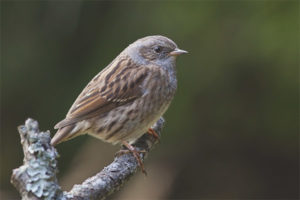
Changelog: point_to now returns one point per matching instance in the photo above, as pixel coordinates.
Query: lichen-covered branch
(36, 178)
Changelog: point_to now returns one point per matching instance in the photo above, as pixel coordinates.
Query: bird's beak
(177, 52)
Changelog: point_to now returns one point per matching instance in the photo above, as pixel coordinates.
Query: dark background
(232, 129)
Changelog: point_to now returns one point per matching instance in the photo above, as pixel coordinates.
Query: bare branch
(36, 178)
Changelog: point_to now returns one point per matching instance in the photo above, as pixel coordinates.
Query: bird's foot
(154, 134)
(135, 153)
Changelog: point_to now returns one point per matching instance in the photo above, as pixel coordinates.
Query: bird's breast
(160, 89)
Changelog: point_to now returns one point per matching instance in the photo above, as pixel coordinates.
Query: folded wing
(118, 90)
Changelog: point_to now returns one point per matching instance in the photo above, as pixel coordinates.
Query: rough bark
(36, 178)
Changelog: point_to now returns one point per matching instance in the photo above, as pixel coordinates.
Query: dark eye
(158, 49)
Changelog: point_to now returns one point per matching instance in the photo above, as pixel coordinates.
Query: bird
(127, 97)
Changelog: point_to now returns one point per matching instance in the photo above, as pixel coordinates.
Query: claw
(135, 153)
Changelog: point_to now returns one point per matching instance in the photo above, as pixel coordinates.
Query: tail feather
(63, 134)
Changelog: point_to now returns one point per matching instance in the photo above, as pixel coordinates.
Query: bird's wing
(118, 84)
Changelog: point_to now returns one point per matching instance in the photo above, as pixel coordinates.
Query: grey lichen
(36, 178)
(40, 163)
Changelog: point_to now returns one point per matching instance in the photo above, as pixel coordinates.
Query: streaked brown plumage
(128, 96)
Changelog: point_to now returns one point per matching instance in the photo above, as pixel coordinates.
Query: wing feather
(107, 91)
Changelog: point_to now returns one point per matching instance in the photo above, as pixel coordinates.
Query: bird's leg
(135, 153)
(153, 133)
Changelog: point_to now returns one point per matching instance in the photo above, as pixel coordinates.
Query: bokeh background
(232, 129)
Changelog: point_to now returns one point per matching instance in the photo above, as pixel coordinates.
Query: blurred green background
(232, 129)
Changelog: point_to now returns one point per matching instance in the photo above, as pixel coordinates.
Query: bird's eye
(158, 49)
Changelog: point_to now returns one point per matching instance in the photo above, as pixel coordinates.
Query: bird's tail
(63, 134)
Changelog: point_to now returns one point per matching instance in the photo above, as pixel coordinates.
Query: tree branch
(36, 178)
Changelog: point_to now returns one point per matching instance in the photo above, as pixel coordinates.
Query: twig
(36, 178)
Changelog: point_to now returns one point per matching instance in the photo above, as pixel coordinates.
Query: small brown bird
(127, 97)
